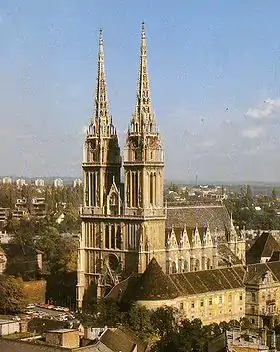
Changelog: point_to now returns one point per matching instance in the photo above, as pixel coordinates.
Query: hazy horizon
(214, 71)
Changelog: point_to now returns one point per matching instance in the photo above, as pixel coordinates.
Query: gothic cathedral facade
(124, 224)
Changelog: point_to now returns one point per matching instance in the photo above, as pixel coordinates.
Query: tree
(12, 295)
(139, 320)
(188, 336)
(249, 193)
(164, 320)
(274, 194)
(245, 323)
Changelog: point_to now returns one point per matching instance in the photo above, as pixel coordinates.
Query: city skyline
(214, 84)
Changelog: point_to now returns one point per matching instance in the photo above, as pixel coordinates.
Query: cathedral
(125, 221)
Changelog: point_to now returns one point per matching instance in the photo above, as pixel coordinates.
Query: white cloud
(269, 109)
(253, 133)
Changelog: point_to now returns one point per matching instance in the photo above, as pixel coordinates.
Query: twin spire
(101, 123)
(143, 118)
(143, 112)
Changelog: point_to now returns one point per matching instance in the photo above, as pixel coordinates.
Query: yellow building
(263, 293)
(214, 295)
(211, 295)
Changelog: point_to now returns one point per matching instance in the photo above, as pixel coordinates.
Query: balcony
(130, 213)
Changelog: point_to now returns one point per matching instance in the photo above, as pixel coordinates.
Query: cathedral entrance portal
(112, 271)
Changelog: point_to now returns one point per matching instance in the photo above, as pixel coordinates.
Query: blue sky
(214, 71)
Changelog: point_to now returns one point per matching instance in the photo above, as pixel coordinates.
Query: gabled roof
(226, 256)
(255, 272)
(154, 284)
(275, 256)
(196, 282)
(216, 217)
(122, 340)
(264, 246)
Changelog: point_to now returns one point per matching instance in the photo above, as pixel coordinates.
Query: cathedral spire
(101, 120)
(143, 112)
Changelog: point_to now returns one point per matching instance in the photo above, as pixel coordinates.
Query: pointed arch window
(107, 236)
(151, 189)
(119, 238)
(113, 237)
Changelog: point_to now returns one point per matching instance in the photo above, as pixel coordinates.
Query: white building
(20, 182)
(6, 180)
(58, 182)
(77, 182)
(39, 182)
(8, 327)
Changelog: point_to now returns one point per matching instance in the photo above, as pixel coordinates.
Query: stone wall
(35, 291)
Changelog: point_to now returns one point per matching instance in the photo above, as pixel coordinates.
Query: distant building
(39, 182)
(38, 207)
(21, 203)
(58, 182)
(6, 180)
(4, 213)
(77, 182)
(19, 214)
(20, 182)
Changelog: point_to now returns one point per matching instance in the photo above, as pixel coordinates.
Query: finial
(101, 41)
(100, 36)
(143, 35)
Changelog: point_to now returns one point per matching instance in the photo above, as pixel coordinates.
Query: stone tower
(101, 174)
(143, 171)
